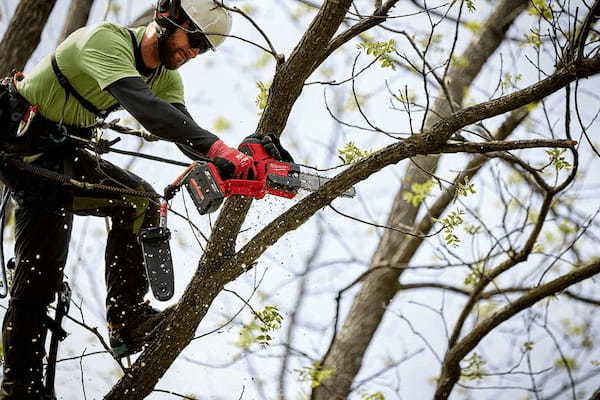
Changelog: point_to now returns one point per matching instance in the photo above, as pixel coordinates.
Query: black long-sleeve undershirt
(168, 121)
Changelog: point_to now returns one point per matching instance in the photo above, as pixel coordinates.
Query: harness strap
(70, 90)
(67, 180)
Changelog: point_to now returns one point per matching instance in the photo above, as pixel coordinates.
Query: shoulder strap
(136, 49)
(70, 90)
(139, 61)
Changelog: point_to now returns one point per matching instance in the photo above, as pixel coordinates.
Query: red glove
(231, 163)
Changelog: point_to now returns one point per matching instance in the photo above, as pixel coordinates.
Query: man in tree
(94, 71)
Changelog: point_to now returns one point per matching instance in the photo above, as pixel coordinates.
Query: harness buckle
(60, 135)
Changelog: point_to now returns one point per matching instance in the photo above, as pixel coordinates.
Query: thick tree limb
(23, 34)
(214, 273)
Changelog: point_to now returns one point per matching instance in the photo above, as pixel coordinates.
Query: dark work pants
(44, 217)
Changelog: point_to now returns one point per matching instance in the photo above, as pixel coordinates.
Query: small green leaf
(465, 188)
(510, 81)
(473, 26)
(567, 228)
(473, 277)
(374, 396)
(528, 346)
(470, 5)
(351, 153)
(221, 124)
(248, 9)
(460, 62)
(474, 369)
(541, 8)
(418, 193)
(262, 96)
(485, 309)
(472, 229)
(533, 39)
(382, 51)
(450, 222)
(557, 159)
(566, 362)
(265, 321)
(314, 374)
(406, 97)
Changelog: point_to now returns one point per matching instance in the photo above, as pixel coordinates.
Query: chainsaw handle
(253, 147)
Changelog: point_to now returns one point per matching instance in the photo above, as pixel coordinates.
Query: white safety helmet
(212, 19)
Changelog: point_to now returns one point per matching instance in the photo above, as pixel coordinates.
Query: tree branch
(462, 348)
(486, 147)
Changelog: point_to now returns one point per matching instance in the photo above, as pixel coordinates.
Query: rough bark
(79, 12)
(347, 350)
(23, 34)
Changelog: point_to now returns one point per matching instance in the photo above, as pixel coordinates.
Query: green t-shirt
(92, 58)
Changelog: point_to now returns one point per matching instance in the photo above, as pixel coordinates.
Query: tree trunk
(23, 34)
(346, 353)
(79, 12)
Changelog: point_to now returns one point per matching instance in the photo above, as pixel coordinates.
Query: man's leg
(41, 247)
(125, 274)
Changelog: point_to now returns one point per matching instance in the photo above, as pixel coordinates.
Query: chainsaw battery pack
(203, 184)
(158, 262)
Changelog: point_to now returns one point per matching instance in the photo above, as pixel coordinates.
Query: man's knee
(145, 211)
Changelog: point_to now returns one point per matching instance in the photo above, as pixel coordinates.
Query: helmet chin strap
(161, 45)
(164, 24)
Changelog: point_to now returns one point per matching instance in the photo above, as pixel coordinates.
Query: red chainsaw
(208, 190)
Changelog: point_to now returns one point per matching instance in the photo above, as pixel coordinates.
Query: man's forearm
(168, 121)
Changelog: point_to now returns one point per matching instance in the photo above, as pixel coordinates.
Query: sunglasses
(198, 40)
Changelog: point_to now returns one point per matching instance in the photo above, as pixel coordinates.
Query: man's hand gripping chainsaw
(208, 190)
(271, 176)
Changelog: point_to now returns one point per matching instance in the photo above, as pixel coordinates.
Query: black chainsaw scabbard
(158, 262)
